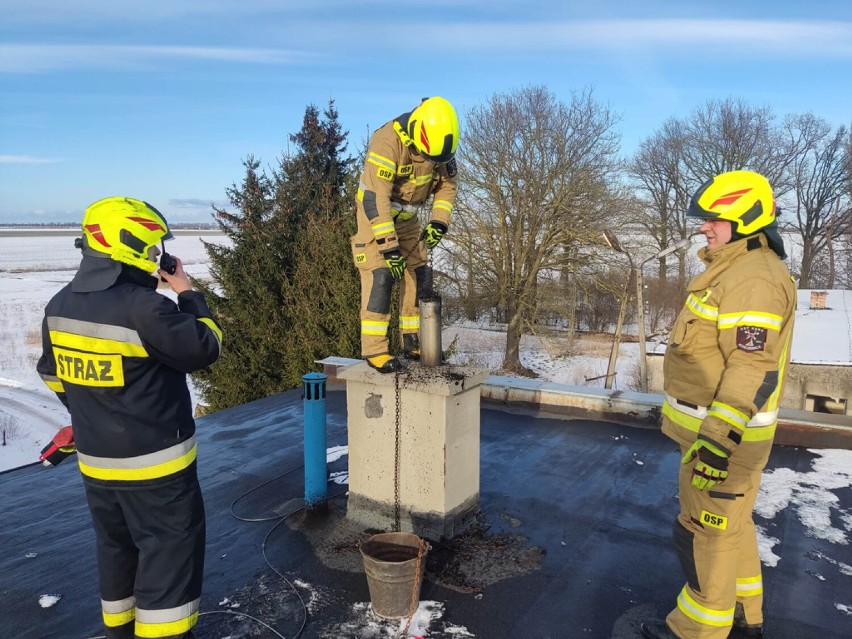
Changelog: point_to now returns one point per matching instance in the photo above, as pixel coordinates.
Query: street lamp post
(612, 241)
(640, 286)
(638, 273)
(640, 317)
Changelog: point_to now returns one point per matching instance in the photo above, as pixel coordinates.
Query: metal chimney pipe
(430, 330)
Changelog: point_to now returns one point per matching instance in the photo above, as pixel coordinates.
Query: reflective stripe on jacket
(729, 348)
(118, 359)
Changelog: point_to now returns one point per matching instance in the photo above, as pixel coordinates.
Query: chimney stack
(818, 299)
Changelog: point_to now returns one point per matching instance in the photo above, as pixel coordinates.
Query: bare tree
(844, 261)
(663, 189)
(674, 161)
(728, 135)
(822, 208)
(844, 254)
(532, 194)
(670, 165)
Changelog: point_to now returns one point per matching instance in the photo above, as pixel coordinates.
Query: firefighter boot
(656, 629)
(411, 346)
(746, 631)
(385, 363)
(743, 630)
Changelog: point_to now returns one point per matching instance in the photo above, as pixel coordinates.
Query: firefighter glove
(433, 233)
(59, 448)
(396, 263)
(710, 468)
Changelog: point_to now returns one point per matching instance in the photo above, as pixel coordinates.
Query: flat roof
(574, 539)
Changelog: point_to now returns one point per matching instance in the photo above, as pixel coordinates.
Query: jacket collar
(719, 259)
(400, 125)
(101, 273)
(96, 273)
(732, 250)
(133, 275)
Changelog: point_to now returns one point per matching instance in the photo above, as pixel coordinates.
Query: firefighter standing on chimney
(410, 160)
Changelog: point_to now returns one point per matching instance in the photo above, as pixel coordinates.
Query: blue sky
(162, 100)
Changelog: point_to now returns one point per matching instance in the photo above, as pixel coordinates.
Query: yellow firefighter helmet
(744, 198)
(434, 129)
(125, 229)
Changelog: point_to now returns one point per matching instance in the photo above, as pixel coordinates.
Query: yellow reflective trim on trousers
(412, 321)
(380, 160)
(703, 615)
(154, 630)
(706, 311)
(728, 414)
(749, 586)
(124, 469)
(115, 619)
(167, 622)
(96, 344)
(212, 326)
(750, 434)
(369, 327)
(383, 228)
(118, 613)
(750, 318)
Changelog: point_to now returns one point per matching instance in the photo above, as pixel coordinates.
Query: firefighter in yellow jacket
(116, 353)
(723, 373)
(411, 160)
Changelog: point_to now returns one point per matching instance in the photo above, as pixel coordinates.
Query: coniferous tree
(285, 290)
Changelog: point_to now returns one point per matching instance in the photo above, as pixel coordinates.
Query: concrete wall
(546, 399)
(801, 380)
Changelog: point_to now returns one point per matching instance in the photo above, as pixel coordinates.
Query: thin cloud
(692, 37)
(196, 203)
(190, 203)
(97, 11)
(191, 209)
(34, 58)
(25, 159)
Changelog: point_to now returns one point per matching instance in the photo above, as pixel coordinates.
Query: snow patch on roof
(823, 336)
(811, 495)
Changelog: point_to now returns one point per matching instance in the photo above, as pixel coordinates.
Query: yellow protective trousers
(377, 285)
(716, 543)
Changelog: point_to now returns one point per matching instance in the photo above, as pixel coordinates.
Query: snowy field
(32, 270)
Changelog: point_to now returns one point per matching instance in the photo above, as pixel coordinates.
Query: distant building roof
(823, 335)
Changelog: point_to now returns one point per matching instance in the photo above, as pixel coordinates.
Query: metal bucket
(391, 564)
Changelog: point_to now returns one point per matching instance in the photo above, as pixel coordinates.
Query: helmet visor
(447, 151)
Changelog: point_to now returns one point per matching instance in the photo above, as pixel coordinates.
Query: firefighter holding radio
(116, 353)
